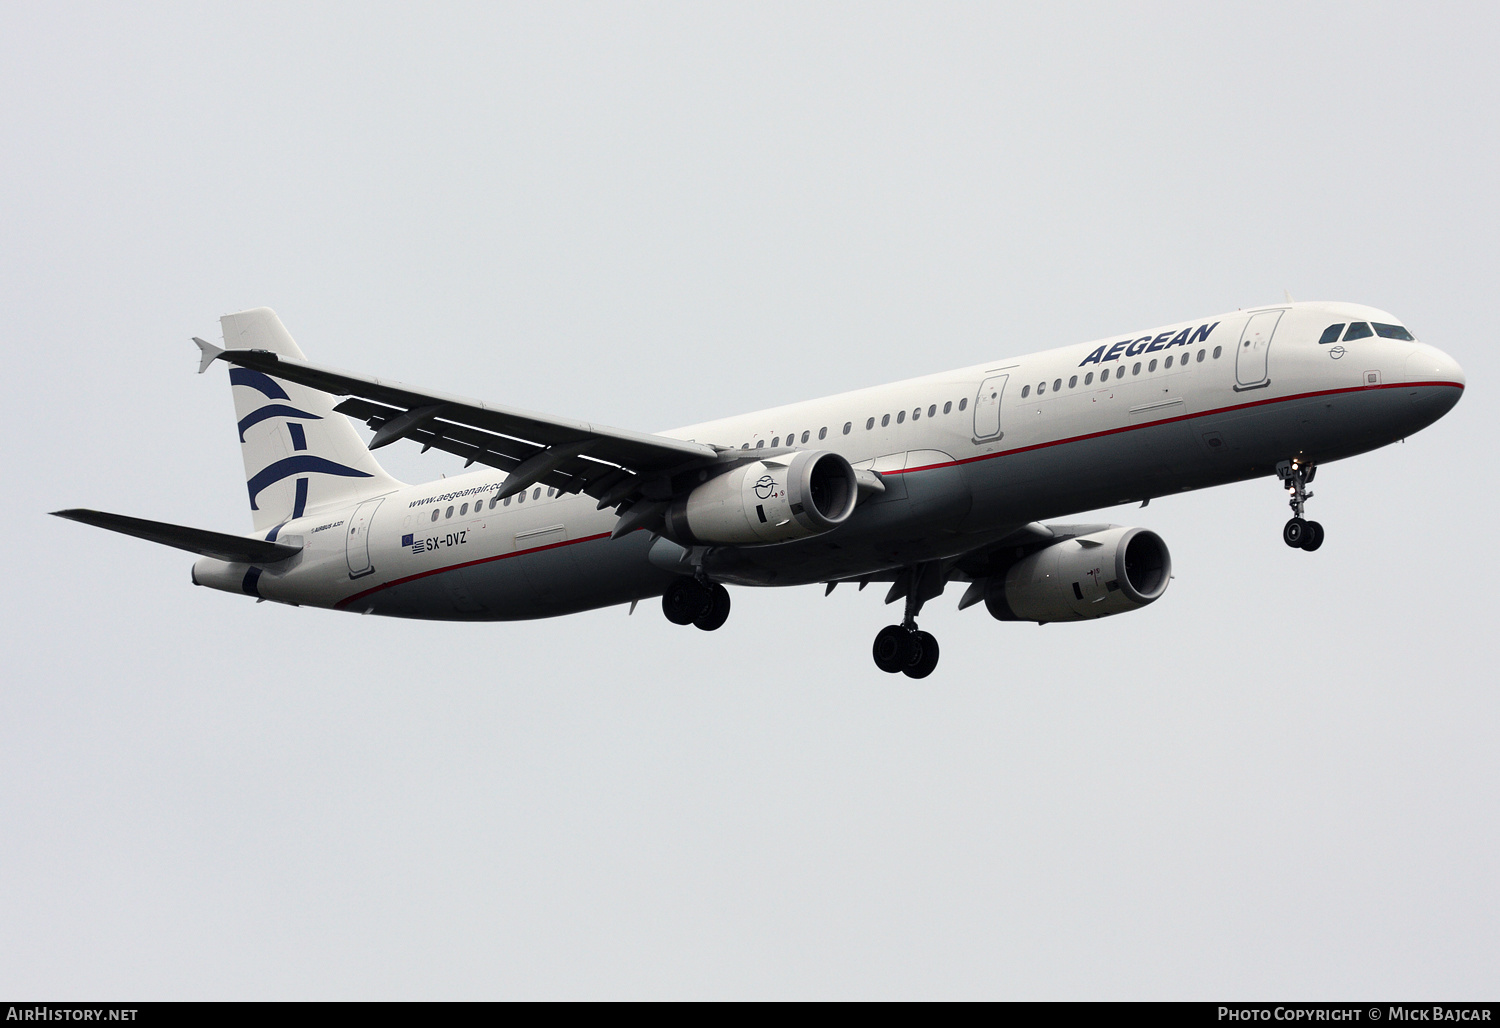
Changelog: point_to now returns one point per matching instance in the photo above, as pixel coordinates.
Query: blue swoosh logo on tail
(274, 410)
(289, 466)
(258, 380)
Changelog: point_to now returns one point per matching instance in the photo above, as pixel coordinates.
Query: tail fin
(299, 454)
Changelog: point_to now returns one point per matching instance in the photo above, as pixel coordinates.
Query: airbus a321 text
(914, 485)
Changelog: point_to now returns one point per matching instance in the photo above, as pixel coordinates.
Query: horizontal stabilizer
(209, 353)
(219, 545)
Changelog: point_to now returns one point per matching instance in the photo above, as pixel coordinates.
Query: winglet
(210, 354)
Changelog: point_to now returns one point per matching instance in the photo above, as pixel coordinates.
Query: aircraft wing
(573, 456)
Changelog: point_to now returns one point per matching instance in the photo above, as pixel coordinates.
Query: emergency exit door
(1251, 358)
(357, 539)
(987, 407)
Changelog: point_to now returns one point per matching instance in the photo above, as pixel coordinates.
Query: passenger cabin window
(1218, 350)
(932, 411)
(869, 424)
(900, 416)
(759, 443)
(916, 414)
(463, 510)
(963, 403)
(885, 420)
(948, 407)
(1104, 375)
(1152, 366)
(1393, 332)
(536, 494)
(823, 432)
(1056, 385)
(1137, 369)
(434, 514)
(847, 426)
(449, 513)
(1088, 379)
(776, 441)
(806, 434)
(1331, 334)
(1200, 356)
(1025, 392)
(1073, 382)
(1358, 330)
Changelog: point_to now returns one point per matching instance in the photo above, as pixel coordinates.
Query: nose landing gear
(1299, 533)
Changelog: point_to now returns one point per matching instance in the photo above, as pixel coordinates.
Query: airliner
(950, 478)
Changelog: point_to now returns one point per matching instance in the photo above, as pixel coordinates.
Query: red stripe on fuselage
(947, 464)
(1168, 421)
(467, 564)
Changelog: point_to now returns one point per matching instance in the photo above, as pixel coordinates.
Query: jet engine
(1088, 576)
(772, 500)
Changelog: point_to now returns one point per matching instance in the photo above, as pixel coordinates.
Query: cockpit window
(1393, 332)
(1358, 330)
(1331, 333)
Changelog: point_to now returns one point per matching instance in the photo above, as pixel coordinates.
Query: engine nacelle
(1090, 576)
(774, 500)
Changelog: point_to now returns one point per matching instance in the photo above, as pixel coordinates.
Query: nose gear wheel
(1304, 535)
(1299, 533)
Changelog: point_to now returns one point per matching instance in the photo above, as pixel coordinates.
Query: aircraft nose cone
(1435, 383)
(1429, 364)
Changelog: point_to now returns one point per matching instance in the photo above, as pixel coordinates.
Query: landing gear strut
(694, 601)
(904, 647)
(1299, 533)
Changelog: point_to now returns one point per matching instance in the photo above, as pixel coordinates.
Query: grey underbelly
(943, 512)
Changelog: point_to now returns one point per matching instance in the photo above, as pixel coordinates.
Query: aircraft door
(357, 539)
(987, 407)
(1250, 366)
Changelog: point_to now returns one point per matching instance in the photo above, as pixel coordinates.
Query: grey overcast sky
(1282, 780)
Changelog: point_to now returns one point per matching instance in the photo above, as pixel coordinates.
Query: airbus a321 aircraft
(918, 484)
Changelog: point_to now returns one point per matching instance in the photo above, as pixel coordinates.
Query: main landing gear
(904, 647)
(694, 601)
(1299, 533)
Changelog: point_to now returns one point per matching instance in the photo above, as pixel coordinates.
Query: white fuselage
(966, 456)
